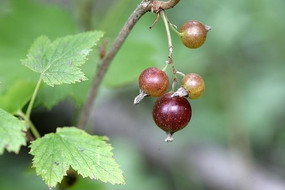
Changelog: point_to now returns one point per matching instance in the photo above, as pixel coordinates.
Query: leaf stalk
(29, 111)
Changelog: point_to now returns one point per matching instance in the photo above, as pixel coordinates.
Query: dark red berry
(193, 34)
(154, 82)
(171, 114)
(194, 85)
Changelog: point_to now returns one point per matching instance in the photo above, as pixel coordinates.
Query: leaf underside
(69, 147)
(12, 132)
(59, 61)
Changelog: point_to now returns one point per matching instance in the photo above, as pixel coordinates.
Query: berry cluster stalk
(170, 47)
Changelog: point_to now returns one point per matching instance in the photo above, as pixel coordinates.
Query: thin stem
(169, 40)
(170, 47)
(172, 26)
(34, 130)
(30, 107)
(29, 110)
(165, 67)
(154, 23)
(30, 124)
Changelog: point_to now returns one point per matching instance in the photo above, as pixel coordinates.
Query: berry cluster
(172, 111)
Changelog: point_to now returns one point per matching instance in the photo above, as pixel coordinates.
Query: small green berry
(194, 85)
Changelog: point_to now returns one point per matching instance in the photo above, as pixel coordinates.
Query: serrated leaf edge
(103, 138)
(76, 69)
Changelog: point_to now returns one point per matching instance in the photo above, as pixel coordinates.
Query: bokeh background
(236, 138)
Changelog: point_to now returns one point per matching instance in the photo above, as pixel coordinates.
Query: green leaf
(17, 96)
(51, 20)
(12, 132)
(36, 58)
(89, 155)
(58, 62)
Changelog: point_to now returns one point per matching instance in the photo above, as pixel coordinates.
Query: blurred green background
(236, 138)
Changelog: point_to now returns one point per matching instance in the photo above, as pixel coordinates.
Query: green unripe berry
(194, 85)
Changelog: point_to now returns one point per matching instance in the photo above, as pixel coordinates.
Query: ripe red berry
(193, 33)
(154, 82)
(171, 114)
(194, 85)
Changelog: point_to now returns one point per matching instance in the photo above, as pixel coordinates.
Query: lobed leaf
(69, 147)
(59, 62)
(12, 132)
(20, 19)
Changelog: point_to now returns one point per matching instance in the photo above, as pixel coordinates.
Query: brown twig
(103, 48)
(29, 136)
(162, 5)
(142, 8)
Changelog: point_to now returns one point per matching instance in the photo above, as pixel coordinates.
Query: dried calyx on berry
(192, 85)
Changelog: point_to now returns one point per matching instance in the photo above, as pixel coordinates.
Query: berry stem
(165, 67)
(174, 28)
(170, 47)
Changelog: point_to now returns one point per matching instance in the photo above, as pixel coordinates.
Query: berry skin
(193, 34)
(154, 82)
(171, 114)
(194, 85)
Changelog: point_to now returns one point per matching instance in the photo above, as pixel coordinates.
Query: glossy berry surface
(171, 114)
(193, 34)
(154, 82)
(194, 85)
